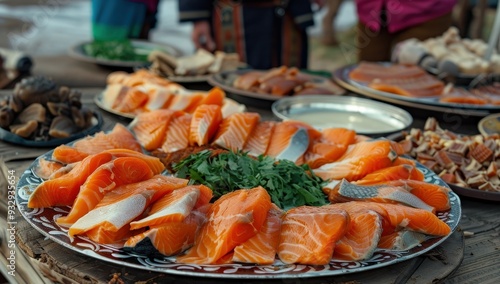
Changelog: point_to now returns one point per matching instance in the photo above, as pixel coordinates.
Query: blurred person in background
(123, 19)
(384, 23)
(264, 33)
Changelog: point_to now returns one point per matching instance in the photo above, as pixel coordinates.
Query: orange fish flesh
(235, 130)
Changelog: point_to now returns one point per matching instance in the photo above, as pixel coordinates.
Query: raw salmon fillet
(204, 124)
(401, 240)
(64, 190)
(110, 225)
(169, 238)
(362, 236)
(118, 137)
(67, 154)
(259, 138)
(330, 146)
(309, 234)
(123, 170)
(432, 194)
(359, 160)
(402, 216)
(282, 140)
(185, 102)
(383, 193)
(177, 135)
(235, 130)
(150, 128)
(396, 172)
(175, 206)
(44, 168)
(232, 220)
(261, 249)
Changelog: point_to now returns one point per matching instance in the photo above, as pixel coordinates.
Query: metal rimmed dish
(365, 116)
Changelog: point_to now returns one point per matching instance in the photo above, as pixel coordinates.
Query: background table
(460, 259)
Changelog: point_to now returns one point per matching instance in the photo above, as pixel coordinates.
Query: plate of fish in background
(262, 87)
(40, 113)
(412, 86)
(123, 53)
(129, 94)
(470, 159)
(44, 221)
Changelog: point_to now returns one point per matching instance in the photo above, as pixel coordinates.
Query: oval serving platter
(341, 77)
(43, 220)
(10, 137)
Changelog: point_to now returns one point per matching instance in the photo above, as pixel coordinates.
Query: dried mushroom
(40, 110)
(466, 161)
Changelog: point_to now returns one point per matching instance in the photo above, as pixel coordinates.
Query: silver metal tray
(365, 116)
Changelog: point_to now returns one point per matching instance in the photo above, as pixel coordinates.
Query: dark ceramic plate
(10, 137)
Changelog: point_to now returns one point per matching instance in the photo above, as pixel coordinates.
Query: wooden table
(470, 258)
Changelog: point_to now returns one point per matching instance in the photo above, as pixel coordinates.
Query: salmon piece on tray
(150, 128)
(232, 220)
(259, 138)
(235, 130)
(204, 124)
(309, 234)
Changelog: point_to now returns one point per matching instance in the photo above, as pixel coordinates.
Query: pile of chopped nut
(466, 161)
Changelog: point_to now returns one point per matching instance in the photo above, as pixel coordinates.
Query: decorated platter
(341, 77)
(225, 81)
(140, 48)
(43, 220)
(10, 137)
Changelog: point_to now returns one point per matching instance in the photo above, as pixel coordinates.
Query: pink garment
(401, 14)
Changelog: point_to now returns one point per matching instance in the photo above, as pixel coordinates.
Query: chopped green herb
(122, 50)
(288, 184)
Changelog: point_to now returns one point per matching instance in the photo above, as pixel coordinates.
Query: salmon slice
(185, 102)
(215, 96)
(177, 136)
(130, 101)
(232, 220)
(463, 96)
(367, 71)
(235, 130)
(174, 207)
(330, 146)
(63, 190)
(153, 163)
(63, 170)
(259, 138)
(123, 170)
(397, 172)
(204, 124)
(401, 240)
(359, 160)
(44, 168)
(402, 216)
(261, 249)
(290, 140)
(432, 194)
(361, 238)
(415, 174)
(150, 128)
(309, 234)
(102, 236)
(169, 238)
(67, 154)
(110, 226)
(159, 97)
(382, 193)
(112, 217)
(119, 137)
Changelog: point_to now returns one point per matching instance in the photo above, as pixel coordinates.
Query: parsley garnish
(288, 184)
